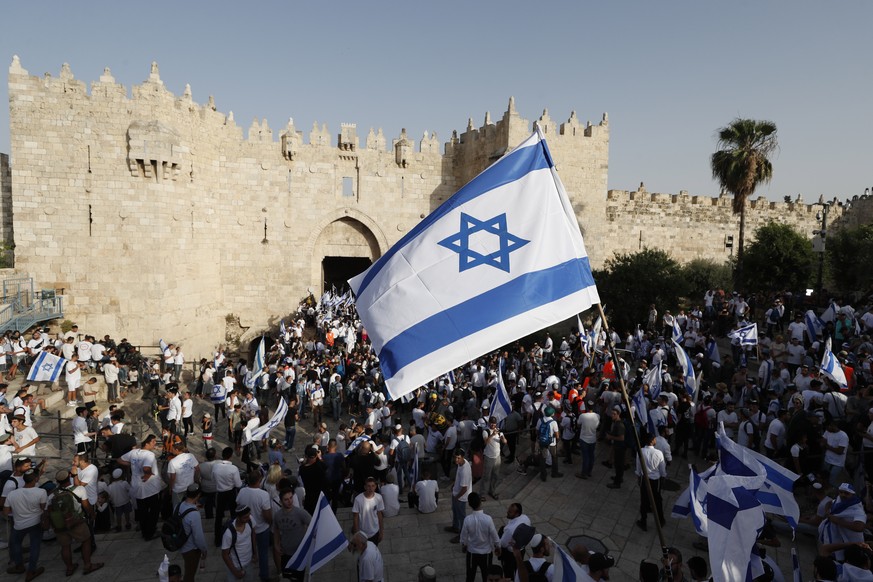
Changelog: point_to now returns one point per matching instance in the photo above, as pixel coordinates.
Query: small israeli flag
(814, 325)
(323, 541)
(688, 377)
(831, 367)
(500, 407)
(746, 334)
(502, 258)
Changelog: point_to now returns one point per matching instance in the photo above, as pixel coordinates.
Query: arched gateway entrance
(345, 247)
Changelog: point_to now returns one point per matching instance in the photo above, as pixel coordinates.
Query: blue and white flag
(653, 379)
(356, 443)
(163, 345)
(682, 507)
(712, 352)
(641, 406)
(263, 431)
(831, 367)
(814, 326)
(46, 368)
(500, 259)
(282, 330)
(697, 499)
(830, 314)
(500, 407)
(734, 520)
(416, 477)
(677, 332)
(258, 369)
(566, 569)
(795, 566)
(747, 335)
(688, 377)
(324, 539)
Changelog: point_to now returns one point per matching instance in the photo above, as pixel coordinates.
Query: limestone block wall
(6, 230)
(691, 227)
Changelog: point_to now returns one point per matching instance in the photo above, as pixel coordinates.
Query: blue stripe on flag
(515, 297)
(326, 551)
(514, 166)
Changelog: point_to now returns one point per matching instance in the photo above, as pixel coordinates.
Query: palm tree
(741, 163)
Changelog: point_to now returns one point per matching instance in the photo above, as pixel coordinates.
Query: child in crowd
(206, 427)
(119, 495)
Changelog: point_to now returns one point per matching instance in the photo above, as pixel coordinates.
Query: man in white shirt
(368, 511)
(145, 485)
(428, 493)
(514, 517)
(182, 470)
(24, 437)
(491, 473)
(174, 414)
(258, 500)
(587, 424)
(73, 377)
(654, 469)
(461, 489)
(85, 474)
(26, 505)
(836, 445)
(370, 566)
(479, 539)
(227, 480)
(178, 363)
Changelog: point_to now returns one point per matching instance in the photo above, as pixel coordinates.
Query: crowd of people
(567, 409)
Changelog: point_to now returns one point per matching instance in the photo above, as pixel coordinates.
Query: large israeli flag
(263, 431)
(323, 540)
(831, 367)
(500, 259)
(654, 377)
(46, 368)
(257, 367)
(814, 325)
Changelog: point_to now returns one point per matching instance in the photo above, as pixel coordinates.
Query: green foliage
(66, 325)
(704, 274)
(779, 258)
(630, 283)
(849, 258)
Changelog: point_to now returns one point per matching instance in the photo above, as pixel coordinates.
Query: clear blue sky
(668, 73)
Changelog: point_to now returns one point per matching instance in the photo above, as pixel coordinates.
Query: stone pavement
(560, 508)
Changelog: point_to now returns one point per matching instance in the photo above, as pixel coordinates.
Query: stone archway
(343, 247)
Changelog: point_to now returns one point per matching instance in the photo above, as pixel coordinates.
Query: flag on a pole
(282, 330)
(746, 334)
(830, 314)
(324, 539)
(642, 409)
(500, 259)
(814, 326)
(677, 332)
(46, 368)
(734, 520)
(566, 569)
(257, 366)
(500, 407)
(653, 379)
(832, 368)
(263, 431)
(712, 352)
(688, 377)
(163, 345)
(795, 566)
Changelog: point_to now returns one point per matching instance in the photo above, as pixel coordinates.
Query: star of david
(468, 258)
(47, 367)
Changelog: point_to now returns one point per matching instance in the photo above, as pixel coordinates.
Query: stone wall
(160, 217)
(7, 238)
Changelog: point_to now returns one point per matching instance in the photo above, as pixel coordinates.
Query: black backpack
(536, 575)
(173, 534)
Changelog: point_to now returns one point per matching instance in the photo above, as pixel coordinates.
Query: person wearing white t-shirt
(145, 484)
(182, 471)
(258, 500)
(390, 493)
(73, 376)
(370, 565)
(368, 511)
(836, 444)
(25, 437)
(187, 413)
(237, 549)
(85, 474)
(26, 505)
(428, 493)
(178, 363)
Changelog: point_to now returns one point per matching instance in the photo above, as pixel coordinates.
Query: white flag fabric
(46, 368)
(500, 406)
(677, 332)
(712, 352)
(257, 367)
(163, 345)
(830, 314)
(263, 431)
(746, 334)
(734, 522)
(688, 377)
(323, 540)
(502, 258)
(566, 569)
(814, 325)
(653, 377)
(832, 368)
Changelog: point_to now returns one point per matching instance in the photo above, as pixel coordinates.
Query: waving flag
(500, 407)
(46, 368)
(642, 408)
(500, 259)
(324, 539)
(814, 325)
(831, 367)
(356, 443)
(746, 334)
(712, 352)
(830, 314)
(261, 432)
(257, 367)
(653, 377)
(677, 332)
(282, 330)
(163, 345)
(688, 377)
(566, 569)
